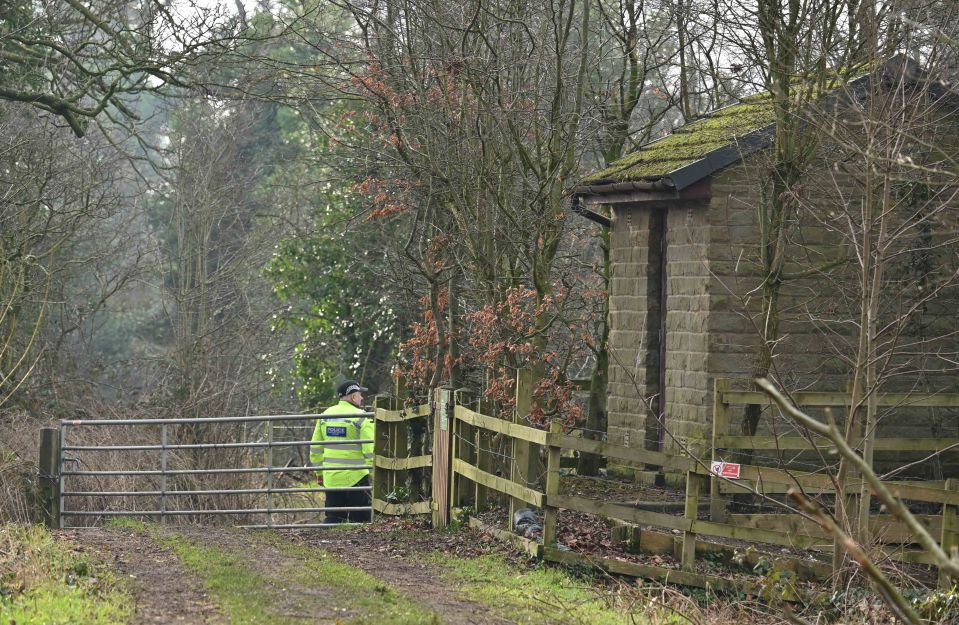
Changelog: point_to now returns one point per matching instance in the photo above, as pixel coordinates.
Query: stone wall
(628, 305)
(713, 321)
(802, 357)
(634, 335)
(687, 325)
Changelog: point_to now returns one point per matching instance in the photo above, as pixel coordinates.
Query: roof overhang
(674, 185)
(620, 193)
(692, 182)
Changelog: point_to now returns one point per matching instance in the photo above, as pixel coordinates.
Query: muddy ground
(397, 553)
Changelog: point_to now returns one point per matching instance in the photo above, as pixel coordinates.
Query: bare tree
(82, 60)
(477, 109)
(56, 194)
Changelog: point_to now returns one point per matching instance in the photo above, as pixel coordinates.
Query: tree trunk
(596, 416)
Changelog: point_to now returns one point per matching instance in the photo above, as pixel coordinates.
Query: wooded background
(220, 209)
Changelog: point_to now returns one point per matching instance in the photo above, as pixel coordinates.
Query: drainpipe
(578, 208)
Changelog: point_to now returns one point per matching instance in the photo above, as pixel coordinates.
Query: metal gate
(162, 471)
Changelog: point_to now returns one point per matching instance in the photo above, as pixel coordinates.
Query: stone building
(685, 214)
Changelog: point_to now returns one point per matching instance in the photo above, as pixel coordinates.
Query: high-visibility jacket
(346, 454)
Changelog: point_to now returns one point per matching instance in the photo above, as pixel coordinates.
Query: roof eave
(605, 187)
(677, 180)
(723, 157)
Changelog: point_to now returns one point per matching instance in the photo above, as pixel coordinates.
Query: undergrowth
(46, 581)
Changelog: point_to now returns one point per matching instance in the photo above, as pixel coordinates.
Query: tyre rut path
(165, 590)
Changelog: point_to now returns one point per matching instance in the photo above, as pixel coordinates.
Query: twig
(890, 594)
(792, 617)
(918, 462)
(892, 503)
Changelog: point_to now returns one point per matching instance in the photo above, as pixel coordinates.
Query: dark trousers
(349, 499)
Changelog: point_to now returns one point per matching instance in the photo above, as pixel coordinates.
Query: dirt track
(166, 591)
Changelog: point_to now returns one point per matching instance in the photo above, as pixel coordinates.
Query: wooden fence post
(950, 533)
(550, 512)
(484, 459)
(523, 466)
(717, 504)
(693, 488)
(442, 461)
(381, 445)
(49, 476)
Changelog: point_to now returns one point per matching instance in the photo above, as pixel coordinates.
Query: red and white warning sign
(728, 470)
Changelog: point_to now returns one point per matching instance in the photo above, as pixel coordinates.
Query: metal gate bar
(209, 512)
(201, 446)
(223, 471)
(164, 447)
(173, 493)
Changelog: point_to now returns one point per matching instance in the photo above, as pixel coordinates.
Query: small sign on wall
(729, 470)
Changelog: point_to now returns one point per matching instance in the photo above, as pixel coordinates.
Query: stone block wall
(687, 326)
(634, 314)
(628, 305)
(713, 305)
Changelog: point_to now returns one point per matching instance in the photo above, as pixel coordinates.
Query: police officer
(349, 454)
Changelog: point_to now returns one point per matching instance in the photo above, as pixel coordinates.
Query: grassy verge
(540, 595)
(45, 581)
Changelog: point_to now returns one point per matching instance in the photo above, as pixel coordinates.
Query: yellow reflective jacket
(346, 454)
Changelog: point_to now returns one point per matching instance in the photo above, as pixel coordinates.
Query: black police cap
(350, 386)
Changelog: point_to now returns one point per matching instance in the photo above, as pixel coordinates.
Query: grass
(542, 594)
(45, 581)
(375, 601)
(244, 593)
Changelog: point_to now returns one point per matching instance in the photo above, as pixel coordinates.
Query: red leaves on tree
(418, 364)
(387, 197)
(505, 333)
(499, 338)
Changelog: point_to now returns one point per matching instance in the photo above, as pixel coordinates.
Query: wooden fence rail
(779, 480)
(394, 493)
(470, 427)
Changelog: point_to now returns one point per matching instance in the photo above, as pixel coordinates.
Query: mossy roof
(690, 143)
(725, 128)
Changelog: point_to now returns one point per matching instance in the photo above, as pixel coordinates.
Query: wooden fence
(884, 529)
(394, 491)
(477, 438)
(479, 456)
